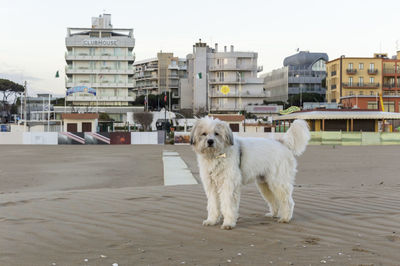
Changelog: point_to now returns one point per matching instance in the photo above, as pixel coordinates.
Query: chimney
(225, 48)
(216, 47)
(231, 48)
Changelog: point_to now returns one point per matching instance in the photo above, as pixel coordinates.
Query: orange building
(357, 82)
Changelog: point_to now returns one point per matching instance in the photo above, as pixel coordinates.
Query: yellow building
(350, 76)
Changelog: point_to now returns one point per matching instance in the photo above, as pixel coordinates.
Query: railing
(351, 71)
(389, 85)
(233, 67)
(360, 85)
(103, 84)
(239, 95)
(102, 56)
(372, 71)
(391, 71)
(111, 70)
(99, 98)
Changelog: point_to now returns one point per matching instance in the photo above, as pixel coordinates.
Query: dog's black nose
(210, 142)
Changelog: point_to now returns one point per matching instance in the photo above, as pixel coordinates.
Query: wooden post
(323, 124)
(351, 125)
(347, 125)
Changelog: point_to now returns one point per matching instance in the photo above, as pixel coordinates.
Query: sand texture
(99, 205)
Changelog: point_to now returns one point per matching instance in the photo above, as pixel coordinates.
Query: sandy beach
(99, 205)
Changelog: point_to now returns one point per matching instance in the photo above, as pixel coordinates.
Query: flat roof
(330, 115)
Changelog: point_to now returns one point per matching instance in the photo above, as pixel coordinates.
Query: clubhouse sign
(99, 42)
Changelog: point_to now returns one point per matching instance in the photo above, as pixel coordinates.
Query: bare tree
(144, 118)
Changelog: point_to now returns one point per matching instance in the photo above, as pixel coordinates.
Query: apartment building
(160, 75)
(357, 82)
(99, 69)
(307, 70)
(221, 81)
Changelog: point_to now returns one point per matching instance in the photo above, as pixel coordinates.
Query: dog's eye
(204, 134)
(216, 134)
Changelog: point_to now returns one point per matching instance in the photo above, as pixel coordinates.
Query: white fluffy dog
(226, 163)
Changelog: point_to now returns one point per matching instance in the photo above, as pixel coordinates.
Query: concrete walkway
(176, 171)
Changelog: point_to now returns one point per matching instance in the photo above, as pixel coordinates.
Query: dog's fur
(227, 162)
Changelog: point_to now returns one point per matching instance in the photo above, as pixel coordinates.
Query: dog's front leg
(212, 203)
(230, 197)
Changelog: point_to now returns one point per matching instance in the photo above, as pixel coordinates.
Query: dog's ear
(193, 132)
(228, 135)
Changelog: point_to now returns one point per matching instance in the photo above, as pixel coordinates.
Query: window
(320, 65)
(389, 106)
(361, 81)
(350, 81)
(372, 105)
(371, 66)
(371, 80)
(221, 76)
(350, 66)
(218, 61)
(361, 66)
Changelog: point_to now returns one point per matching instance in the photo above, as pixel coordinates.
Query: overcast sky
(32, 42)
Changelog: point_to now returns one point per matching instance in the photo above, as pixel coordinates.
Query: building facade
(99, 60)
(358, 82)
(221, 81)
(306, 72)
(160, 75)
(276, 84)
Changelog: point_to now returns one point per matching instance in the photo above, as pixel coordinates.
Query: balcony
(237, 81)
(102, 70)
(233, 67)
(246, 94)
(104, 84)
(351, 71)
(389, 86)
(105, 57)
(390, 71)
(372, 71)
(361, 85)
(78, 98)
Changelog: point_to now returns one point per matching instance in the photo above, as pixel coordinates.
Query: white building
(209, 70)
(99, 59)
(160, 75)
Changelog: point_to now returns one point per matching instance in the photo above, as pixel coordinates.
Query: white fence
(40, 138)
(144, 137)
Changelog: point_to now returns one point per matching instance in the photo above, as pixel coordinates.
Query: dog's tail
(297, 137)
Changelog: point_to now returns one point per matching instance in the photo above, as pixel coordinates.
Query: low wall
(11, 138)
(144, 138)
(40, 138)
(354, 138)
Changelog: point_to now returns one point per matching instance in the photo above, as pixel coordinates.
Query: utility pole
(48, 116)
(25, 86)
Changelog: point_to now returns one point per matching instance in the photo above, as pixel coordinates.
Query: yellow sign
(290, 110)
(225, 89)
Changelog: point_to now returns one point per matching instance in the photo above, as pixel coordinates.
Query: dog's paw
(209, 222)
(272, 215)
(227, 226)
(284, 220)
